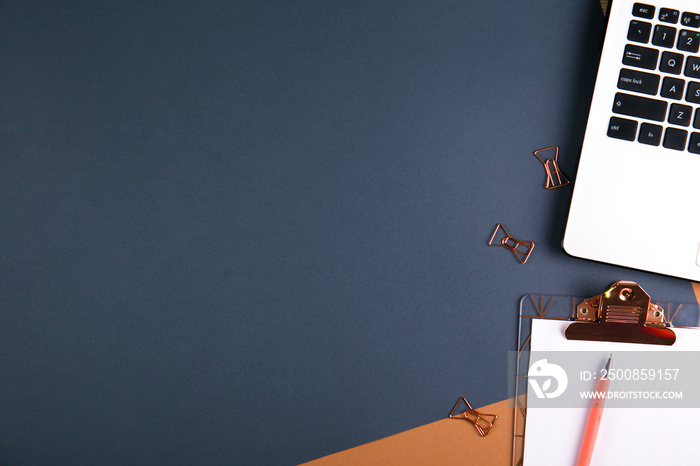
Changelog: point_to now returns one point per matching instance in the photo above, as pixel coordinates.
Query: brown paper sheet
(696, 289)
(445, 442)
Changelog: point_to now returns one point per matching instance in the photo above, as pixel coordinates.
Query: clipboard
(568, 309)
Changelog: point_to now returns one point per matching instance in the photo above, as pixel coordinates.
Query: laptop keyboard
(658, 98)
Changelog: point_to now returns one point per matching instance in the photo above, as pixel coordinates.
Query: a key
(672, 88)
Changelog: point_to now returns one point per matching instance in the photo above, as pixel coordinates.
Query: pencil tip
(607, 366)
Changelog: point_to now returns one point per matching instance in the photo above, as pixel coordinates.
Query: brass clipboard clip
(482, 422)
(521, 249)
(624, 313)
(555, 178)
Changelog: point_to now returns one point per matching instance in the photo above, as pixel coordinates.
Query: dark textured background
(255, 232)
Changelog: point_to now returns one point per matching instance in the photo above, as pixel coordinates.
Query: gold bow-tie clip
(555, 178)
(521, 249)
(482, 422)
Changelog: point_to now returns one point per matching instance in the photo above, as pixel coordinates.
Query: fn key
(620, 128)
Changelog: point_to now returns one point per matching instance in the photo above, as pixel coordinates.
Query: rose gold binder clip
(482, 422)
(624, 313)
(521, 249)
(555, 178)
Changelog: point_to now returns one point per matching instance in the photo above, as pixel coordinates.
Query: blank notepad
(633, 436)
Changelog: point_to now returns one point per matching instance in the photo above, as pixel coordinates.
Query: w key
(639, 107)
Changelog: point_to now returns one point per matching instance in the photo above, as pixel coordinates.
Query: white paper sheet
(627, 436)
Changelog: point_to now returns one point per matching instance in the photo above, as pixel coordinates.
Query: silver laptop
(636, 199)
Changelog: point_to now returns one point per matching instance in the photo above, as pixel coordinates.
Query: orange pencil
(594, 417)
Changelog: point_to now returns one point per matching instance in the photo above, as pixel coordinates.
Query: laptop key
(667, 15)
(671, 62)
(680, 114)
(650, 134)
(692, 67)
(694, 145)
(690, 19)
(639, 31)
(620, 128)
(643, 10)
(638, 81)
(693, 94)
(641, 57)
(675, 138)
(640, 107)
(672, 88)
(688, 41)
(664, 36)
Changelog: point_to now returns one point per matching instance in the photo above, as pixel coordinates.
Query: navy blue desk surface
(255, 232)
